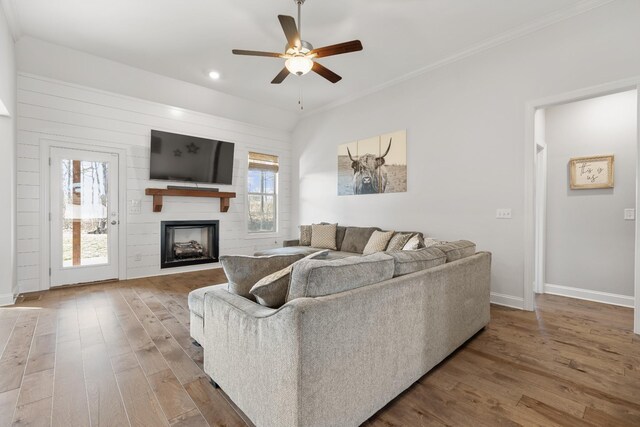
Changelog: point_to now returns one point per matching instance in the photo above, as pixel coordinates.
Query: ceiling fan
(300, 55)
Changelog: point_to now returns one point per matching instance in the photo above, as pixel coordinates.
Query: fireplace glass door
(188, 243)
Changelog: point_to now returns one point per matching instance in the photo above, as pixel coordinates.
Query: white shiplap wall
(58, 111)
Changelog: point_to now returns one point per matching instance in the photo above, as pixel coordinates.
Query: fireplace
(188, 243)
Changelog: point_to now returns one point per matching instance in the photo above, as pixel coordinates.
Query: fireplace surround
(188, 243)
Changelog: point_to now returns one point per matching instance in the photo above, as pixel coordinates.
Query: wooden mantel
(158, 193)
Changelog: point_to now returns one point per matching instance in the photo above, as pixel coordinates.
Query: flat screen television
(190, 159)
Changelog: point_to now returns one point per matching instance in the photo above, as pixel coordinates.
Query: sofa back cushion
(356, 238)
(244, 271)
(457, 250)
(340, 231)
(315, 278)
(407, 262)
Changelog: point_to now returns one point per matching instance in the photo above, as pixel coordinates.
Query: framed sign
(591, 172)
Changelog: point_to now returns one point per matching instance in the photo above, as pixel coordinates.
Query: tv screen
(187, 158)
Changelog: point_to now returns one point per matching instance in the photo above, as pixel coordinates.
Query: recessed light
(176, 112)
(214, 75)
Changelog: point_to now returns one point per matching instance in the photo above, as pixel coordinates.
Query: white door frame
(530, 181)
(45, 189)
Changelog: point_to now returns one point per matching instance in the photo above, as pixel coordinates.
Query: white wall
(61, 63)
(7, 165)
(465, 129)
(59, 111)
(589, 244)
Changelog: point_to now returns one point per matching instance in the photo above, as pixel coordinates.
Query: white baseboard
(586, 294)
(7, 299)
(507, 300)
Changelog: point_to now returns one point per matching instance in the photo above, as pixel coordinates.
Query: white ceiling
(185, 39)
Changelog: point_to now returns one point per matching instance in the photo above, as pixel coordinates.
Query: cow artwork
(369, 173)
(374, 165)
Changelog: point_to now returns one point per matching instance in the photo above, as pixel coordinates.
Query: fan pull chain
(301, 98)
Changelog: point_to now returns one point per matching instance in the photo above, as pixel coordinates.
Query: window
(262, 189)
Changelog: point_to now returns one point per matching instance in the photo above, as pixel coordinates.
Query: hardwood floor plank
(34, 414)
(8, 401)
(105, 402)
(191, 419)
(142, 407)
(70, 407)
(213, 406)
(16, 352)
(36, 386)
(173, 398)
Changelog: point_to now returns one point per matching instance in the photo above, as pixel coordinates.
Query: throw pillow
(415, 242)
(323, 236)
(428, 242)
(457, 250)
(305, 235)
(244, 271)
(377, 242)
(271, 291)
(407, 262)
(316, 278)
(398, 241)
(356, 238)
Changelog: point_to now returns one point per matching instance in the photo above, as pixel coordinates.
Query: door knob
(114, 222)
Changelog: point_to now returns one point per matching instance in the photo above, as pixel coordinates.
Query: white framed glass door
(83, 216)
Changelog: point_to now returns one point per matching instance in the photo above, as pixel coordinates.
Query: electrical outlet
(629, 214)
(503, 213)
(138, 257)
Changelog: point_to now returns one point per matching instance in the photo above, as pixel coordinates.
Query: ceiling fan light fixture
(299, 65)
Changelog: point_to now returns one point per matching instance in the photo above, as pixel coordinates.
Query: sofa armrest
(287, 243)
(252, 352)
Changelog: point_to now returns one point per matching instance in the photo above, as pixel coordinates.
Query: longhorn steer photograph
(374, 165)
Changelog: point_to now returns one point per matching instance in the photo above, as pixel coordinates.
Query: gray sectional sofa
(354, 332)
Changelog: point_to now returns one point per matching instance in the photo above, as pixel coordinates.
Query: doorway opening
(583, 242)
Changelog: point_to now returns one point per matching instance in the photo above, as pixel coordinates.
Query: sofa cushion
(287, 250)
(415, 242)
(324, 236)
(195, 300)
(305, 235)
(340, 230)
(398, 241)
(315, 278)
(244, 271)
(407, 262)
(271, 291)
(356, 238)
(378, 242)
(457, 250)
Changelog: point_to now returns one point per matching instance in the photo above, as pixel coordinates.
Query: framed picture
(591, 172)
(374, 165)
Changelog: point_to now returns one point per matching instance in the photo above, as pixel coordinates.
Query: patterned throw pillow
(398, 241)
(323, 236)
(415, 242)
(305, 235)
(377, 242)
(271, 291)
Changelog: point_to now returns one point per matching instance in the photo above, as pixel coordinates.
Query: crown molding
(506, 37)
(11, 14)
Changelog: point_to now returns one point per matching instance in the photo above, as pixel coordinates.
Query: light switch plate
(503, 213)
(629, 214)
(135, 206)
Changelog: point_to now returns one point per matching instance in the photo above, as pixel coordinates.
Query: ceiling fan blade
(290, 30)
(337, 49)
(256, 53)
(281, 76)
(326, 73)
